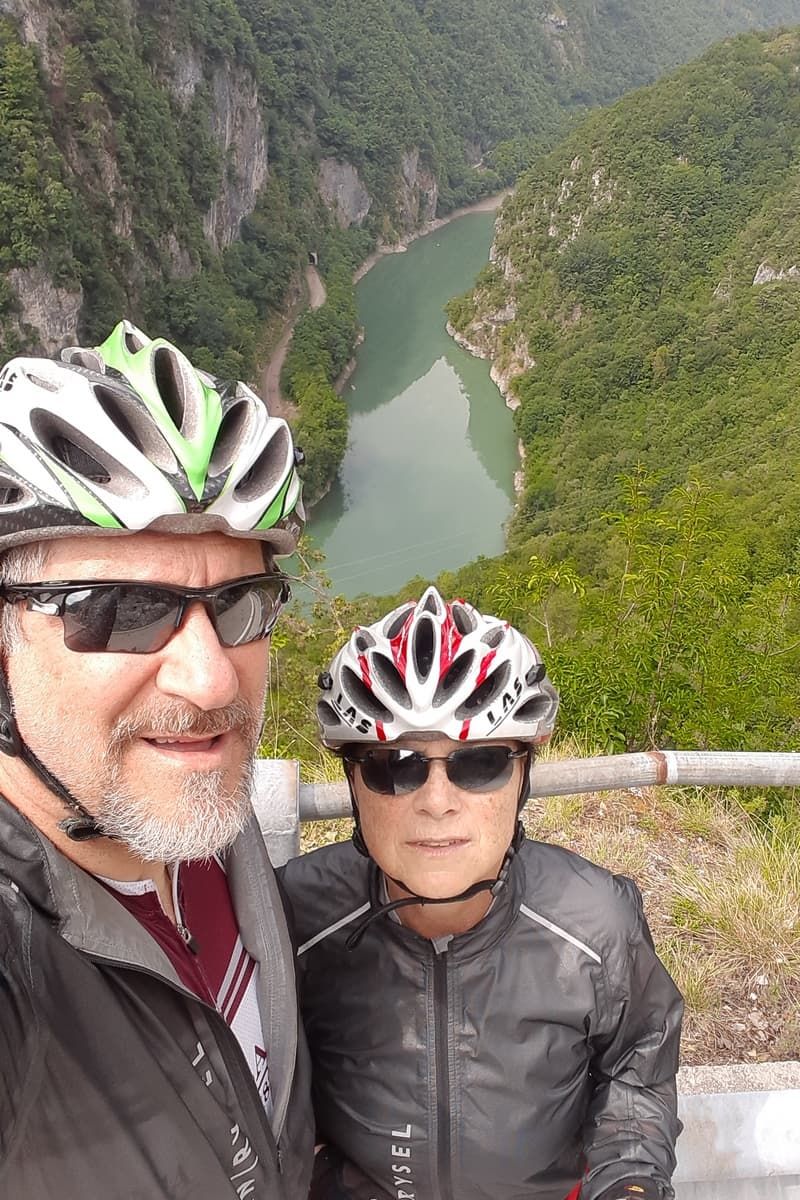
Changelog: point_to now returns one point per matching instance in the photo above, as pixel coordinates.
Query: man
(149, 1039)
(486, 1014)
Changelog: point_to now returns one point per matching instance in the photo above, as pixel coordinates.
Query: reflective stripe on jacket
(502, 1064)
(115, 1081)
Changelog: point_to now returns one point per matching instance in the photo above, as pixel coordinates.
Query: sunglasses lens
(393, 772)
(130, 618)
(246, 612)
(473, 769)
(125, 618)
(480, 768)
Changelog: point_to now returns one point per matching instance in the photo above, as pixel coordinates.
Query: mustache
(179, 719)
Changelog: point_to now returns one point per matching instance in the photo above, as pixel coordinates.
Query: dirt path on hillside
(277, 404)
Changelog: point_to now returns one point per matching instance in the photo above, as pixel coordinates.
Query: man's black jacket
(115, 1082)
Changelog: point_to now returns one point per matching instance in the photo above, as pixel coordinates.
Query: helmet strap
(81, 825)
(357, 836)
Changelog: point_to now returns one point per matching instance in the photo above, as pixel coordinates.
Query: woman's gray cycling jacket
(116, 1082)
(506, 1063)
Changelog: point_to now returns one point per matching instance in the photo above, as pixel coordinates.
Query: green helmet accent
(131, 436)
(139, 368)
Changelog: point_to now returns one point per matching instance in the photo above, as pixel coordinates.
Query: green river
(427, 481)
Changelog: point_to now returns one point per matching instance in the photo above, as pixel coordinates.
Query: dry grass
(723, 900)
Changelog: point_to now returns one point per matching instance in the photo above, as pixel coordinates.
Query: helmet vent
(462, 618)
(362, 697)
(535, 709)
(47, 385)
(87, 360)
(390, 679)
(431, 605)
(484, 695)
(134, 339)
(494, 637)
(11, 494)
(107, 401)
(326, 714)
(423, 647)
(80, 455)
(64, 445)
(229, 437)
(454, 677)
(170, 383)
(124, 411)
(270, 468)
(392, 629)
(364, 641)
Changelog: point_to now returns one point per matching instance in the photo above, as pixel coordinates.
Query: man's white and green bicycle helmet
(130, 436)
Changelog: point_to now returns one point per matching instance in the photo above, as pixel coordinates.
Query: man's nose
(195, 666)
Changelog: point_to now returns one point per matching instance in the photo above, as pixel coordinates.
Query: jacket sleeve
(20, 1052)
(631, 1124)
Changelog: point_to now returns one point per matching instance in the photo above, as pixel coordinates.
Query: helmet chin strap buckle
(81, 825)
(80, 829)
(9, 737)
(10, 741)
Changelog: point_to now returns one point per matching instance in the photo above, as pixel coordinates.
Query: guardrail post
(276, 802)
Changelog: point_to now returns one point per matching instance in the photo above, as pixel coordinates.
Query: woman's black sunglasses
(136, 617)
(393, 772)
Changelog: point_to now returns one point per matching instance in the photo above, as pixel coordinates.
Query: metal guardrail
(282, 802)
(571, 776)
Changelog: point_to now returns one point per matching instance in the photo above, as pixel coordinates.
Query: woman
(487, 1017)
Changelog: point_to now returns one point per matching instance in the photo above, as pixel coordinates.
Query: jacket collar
(86, 914)
(90, 919)
(463, 946)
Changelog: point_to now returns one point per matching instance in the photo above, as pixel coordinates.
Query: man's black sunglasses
(396, 772)
(136, 617)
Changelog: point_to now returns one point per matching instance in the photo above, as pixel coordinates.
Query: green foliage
(320, 431)
(34, 203)
(321, 346)
(630, 257)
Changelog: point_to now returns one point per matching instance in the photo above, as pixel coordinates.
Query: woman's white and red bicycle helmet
(433, 666)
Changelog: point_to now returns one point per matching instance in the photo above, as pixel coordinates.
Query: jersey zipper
(184, 930)
(444, 1176)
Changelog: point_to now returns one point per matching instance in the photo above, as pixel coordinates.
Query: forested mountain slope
(645, 282)
(643, 301)
(141, 144)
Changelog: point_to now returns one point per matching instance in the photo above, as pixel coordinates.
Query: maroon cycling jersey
(205, 949)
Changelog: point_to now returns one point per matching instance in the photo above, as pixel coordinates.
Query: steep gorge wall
(161, 235)
(161, 129)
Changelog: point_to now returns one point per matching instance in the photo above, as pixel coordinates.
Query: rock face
(483, 342)
(418, 194)
(239, 129)
(343, 192)
(769, 274)
(52, 311)
(33, 20)
(187, 74)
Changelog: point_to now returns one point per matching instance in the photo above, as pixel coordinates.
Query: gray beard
(204, 818)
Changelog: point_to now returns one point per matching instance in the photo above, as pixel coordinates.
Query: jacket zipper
(442, 1060)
